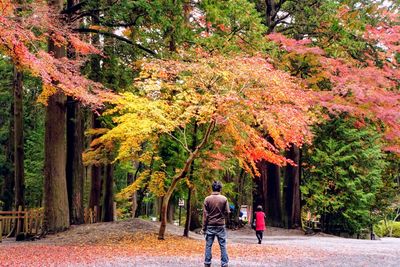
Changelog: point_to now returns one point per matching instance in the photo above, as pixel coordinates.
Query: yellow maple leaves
(246, 96)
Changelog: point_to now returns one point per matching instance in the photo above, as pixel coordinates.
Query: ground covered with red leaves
(135, 243)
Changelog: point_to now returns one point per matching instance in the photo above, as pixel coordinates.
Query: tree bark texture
(19, 184)
(171, 211)
(188, 212)
(96, 177)
(56, 210)
(74, 167)
(109, 194)
(190, 185)
(7, 193)
(260, 187)
(291, 190)
(274, 204)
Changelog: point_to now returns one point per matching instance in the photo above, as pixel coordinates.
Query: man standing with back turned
(215, 211)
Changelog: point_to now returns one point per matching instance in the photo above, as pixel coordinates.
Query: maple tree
(238, 100)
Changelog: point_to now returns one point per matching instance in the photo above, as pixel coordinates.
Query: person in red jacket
(259, 217)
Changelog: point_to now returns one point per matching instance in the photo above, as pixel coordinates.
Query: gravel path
(280, 248)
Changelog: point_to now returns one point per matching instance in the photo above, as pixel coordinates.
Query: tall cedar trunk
(8, 185)
(96, 178)
(171, 212)
(260, 187)
(108, 206)
(139, 199)
(291, 190)
(74, 167)
(135, 205)
(18, 140)
(269, 14)
(188, 201)
(96, 181)
(274, 206)
(56, 211)
(195, 221)
(188, 212)
(129, 180)
(240, 194)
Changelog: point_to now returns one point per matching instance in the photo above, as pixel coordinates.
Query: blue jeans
(220, 233)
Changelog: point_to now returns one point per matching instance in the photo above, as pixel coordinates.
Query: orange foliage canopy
(246, 97)
(21, 36)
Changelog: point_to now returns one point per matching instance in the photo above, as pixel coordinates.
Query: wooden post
(19, 220)
(90, 216)
(115, 211)
(95, 214)
(26, 221)
(1, 230)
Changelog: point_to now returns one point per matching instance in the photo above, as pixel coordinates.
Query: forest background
(294, 105)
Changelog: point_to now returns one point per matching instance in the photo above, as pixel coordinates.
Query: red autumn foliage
(361, 88)
(21, 37)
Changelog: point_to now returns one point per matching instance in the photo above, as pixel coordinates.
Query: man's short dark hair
(216, 186)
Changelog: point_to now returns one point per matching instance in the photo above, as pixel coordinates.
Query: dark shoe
(207, 265)
(259, 242)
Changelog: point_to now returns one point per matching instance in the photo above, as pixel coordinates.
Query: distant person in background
(215, 212)
(259, 217)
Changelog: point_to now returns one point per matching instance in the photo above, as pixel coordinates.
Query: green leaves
(346, 175)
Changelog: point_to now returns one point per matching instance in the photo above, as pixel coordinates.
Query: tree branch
(116, 36)
(74, 8)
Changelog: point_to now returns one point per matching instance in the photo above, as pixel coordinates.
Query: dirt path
(134, 243)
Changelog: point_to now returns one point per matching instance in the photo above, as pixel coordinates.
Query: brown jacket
(215, 210)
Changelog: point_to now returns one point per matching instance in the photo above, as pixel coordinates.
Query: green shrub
(384, 230)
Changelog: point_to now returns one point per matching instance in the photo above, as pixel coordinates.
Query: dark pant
(220, 233)
(259, 235)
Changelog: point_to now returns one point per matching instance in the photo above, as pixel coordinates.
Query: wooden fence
(30, 222)
(22, 221)
(91, 215)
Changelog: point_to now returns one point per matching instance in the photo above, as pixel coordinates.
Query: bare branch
(118, 37)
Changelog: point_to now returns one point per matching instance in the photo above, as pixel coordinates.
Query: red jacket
(260, 220)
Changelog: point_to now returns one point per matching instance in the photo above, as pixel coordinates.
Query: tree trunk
(269, 14)
(188, 212)
(240, 194)
(56, 212)
(74, 167)
(109, 194)
(190, 189)
(291, 190)
(9, 179)
(274, 206)
(18, 141)
(171, 211)
(260, 187)
(96, 178)
(195, 221)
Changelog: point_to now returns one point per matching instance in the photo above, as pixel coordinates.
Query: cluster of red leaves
(21, 36)
(362, 89)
